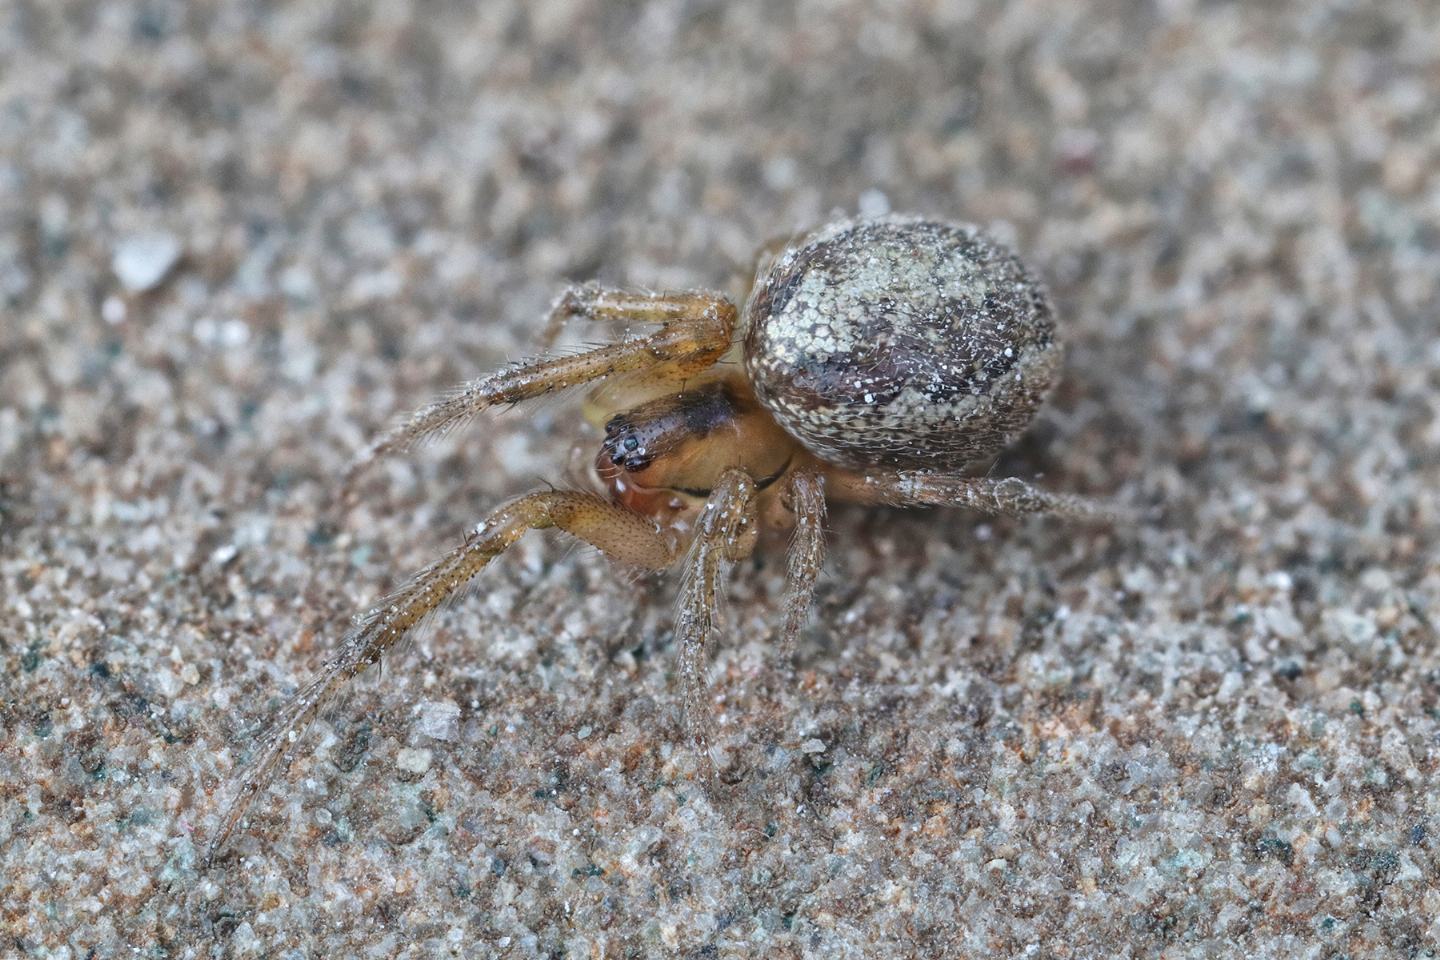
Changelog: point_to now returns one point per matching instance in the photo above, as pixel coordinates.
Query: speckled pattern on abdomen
(900, 342)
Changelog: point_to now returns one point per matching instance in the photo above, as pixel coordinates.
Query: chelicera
(880, 361)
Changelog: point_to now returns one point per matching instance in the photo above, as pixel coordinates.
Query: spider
(881, 360)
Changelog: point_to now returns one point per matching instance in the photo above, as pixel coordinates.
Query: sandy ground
(238, 238)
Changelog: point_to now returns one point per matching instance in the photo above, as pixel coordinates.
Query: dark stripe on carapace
(636, 438)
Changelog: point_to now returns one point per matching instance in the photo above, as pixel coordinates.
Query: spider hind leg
(1000, 496)
(805, 491)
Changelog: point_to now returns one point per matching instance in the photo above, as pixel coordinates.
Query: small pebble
(438, 719)
(142, 261)
(413, 760)
(112, 310)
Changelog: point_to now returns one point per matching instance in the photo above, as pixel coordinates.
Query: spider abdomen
(900, 342)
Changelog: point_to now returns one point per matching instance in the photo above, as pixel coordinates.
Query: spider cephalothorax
(880, 359)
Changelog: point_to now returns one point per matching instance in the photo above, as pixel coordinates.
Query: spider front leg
(599, 304)
(724, 532)
(623, 536)
(694, 333)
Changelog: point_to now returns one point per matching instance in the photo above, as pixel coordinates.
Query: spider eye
(623, 446)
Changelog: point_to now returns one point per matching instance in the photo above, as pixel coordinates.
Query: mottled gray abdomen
(900, 342)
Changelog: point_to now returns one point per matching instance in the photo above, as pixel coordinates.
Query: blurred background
(238, 238)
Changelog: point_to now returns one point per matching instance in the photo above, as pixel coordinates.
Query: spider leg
(1002, 496)
(623, 536)
(725, 532)
(601, 304)
(806, 495)
(694, 333)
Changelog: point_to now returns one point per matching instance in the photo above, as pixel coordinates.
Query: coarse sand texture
(239, 238)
